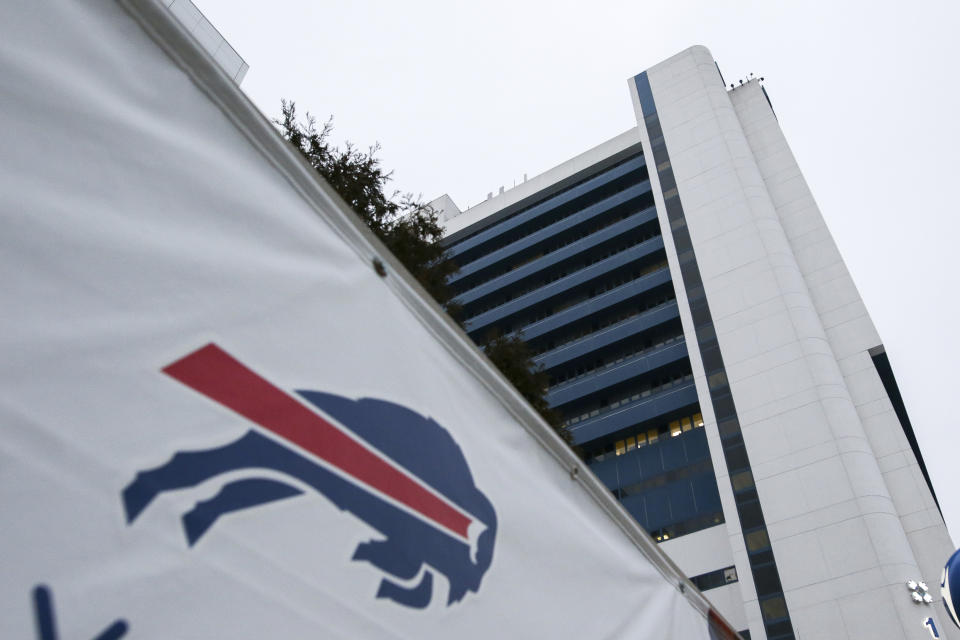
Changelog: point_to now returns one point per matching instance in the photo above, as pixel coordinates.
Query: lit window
(697, 420)
(631, 443)
(641, 439)
(621, 449)
(652, 436)
(686, 424)
(674, 428)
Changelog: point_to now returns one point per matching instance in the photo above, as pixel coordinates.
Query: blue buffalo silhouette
(411, 546)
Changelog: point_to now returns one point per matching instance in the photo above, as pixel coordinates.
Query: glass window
(730, 575)
(717, 380)
(737, 458)
(674, 428)
(745, 496)
(631, 443)
(742, 480)
(774, 608)
(621, 448)
(766, 580)
(686, 424)
(750, 515)
(729, 427)
(706, 333)
(778, 630)
(641, 439)
(723, 406)
(652, 436)
(757, 540)
(698, 420)
(711, 356)
(760, 559)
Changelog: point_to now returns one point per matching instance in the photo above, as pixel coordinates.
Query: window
(766, 580)
(742, 480)
(773, 608)
(750, 515)
(714, 579)
(757, 540)
(717, 380)
(737, 458)
(729, 428)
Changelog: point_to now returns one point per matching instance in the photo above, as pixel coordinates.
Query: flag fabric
(219, 420)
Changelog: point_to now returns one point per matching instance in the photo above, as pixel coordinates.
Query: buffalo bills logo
(396, 470)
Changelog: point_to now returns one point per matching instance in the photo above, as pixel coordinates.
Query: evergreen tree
(513, 357)
(411, 230)
(407, 226)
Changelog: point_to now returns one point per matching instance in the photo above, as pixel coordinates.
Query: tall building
(711, 355)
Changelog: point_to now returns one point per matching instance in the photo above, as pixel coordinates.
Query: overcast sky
(466, 97)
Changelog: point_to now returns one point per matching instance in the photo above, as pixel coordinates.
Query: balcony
(608, 335)
(564, 285)
(498, 229)
(614, 374)
(554, 258)
(634, 412)
(603, 301)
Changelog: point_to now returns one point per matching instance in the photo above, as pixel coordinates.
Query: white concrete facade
(846, 506)
(455, 220)
(848, 512)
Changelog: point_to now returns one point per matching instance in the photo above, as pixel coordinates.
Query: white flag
(219, 421)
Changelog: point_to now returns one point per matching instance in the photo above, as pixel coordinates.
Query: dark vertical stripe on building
(885, 371)
(766, 578)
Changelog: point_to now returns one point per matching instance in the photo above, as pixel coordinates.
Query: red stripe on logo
(219, 376)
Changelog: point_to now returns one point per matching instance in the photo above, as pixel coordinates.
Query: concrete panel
(802, 560)
(701, 551)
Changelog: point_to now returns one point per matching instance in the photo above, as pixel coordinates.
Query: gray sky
(466, 97)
